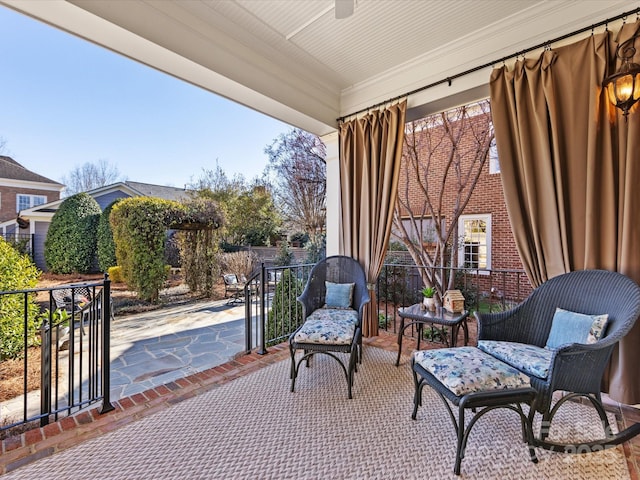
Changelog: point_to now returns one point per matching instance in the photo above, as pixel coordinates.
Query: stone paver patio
(158, 347)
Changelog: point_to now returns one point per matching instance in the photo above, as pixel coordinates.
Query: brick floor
(71, 431)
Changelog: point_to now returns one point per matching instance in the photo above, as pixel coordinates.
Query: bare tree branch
(443, 157)
(297, 165)
(89, 176)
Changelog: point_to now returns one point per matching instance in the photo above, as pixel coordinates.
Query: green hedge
(17, 272)
(139, 225)
(139, 231)
(105, 244)
(286, 312)
(70, 246)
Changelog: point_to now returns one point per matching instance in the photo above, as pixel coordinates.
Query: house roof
(12, 170)
(133, 189)
(159, 191)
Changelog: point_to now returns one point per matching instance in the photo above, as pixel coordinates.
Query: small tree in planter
(429, 301)
(286, 312)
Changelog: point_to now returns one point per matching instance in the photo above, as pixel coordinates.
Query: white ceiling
(293, 60)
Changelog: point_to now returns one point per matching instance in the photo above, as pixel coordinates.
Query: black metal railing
(69, 327)
(484, 290)
(272, 312)
(22, 242)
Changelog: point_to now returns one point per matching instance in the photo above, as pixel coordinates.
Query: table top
(439, 315)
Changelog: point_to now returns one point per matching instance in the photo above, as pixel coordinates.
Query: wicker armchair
(337, 270)
(575, 368)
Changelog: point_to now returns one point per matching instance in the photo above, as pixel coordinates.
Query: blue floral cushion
(337, 315)
(328, 332)
(339, 295)
(329, 325)
(530, 359)
(466, 370)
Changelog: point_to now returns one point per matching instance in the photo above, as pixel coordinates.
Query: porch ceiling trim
(235, 49)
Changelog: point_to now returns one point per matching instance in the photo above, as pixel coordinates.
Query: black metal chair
(315, 311)
(75, 301)
(574, 368)
(233, 288)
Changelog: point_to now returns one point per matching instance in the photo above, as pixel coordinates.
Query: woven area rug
(253, 427)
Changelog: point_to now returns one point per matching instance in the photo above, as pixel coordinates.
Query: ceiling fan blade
(344, 8)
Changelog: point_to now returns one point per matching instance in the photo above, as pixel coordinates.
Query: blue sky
(65, 101)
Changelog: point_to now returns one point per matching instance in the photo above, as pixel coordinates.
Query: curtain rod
(490, 64)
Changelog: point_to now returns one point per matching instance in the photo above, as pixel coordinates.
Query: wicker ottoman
(472, 379)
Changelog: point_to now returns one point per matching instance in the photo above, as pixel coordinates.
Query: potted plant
(428, 300)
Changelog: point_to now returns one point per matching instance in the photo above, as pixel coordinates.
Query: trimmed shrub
(285, 256)
(172, 250)
(70, 246)
(106, 245)
(200, 259)
(115, 274)
(198, 244)
(316, 249)
(286, 312)
(139, 231)
(17, 272)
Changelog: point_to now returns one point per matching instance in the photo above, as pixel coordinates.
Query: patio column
(333, 193)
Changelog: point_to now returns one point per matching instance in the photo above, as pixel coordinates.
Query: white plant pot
(430, 303)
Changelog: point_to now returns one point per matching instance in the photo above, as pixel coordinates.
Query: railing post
(261, 330)
(106, 346)
(248, 300)
(45, 371)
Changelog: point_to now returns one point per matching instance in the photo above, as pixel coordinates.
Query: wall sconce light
(623, 86)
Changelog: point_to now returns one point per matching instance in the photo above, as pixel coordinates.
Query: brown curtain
(370, 154)
(570, 168)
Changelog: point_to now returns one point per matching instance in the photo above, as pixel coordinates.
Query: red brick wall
(8, 199)
(486, 198)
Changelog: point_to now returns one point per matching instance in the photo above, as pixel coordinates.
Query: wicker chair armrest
(510, 326)
(309, 303)
(360, 302)
(574, 367)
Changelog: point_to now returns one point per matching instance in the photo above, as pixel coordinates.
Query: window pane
(475, 243)
(23, 202)
(38, 200)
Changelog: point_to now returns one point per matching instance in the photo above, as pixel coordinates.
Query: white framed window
(424, 231)
(494, 164)
(24, 201)
(475, 241)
